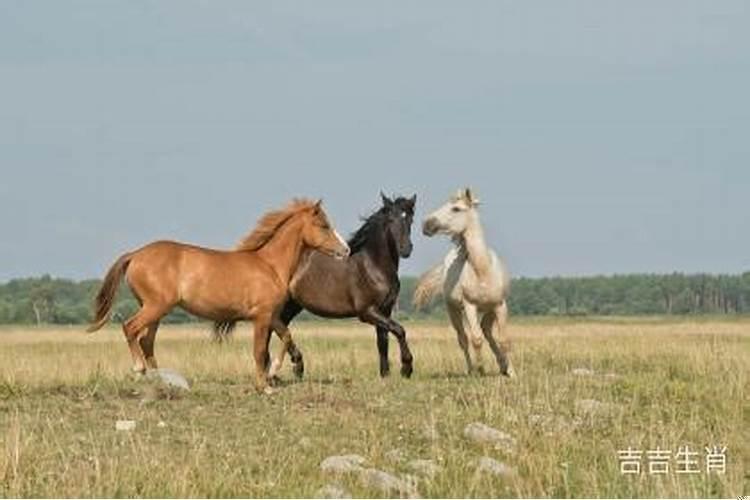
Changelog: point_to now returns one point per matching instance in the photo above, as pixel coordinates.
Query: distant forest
(48, 300)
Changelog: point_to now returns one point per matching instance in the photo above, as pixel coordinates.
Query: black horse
(364, 286)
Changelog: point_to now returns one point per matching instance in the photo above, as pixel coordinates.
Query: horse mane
(362, 235)
(270, 222)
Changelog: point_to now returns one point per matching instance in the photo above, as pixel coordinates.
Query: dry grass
(662, 382)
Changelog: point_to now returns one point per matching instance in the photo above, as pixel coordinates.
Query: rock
(582, 372)
(427, 468)
(332, 491)
(395, 455)
(125, 425)
(491, 466)
(482, 433)
(549, 424)
(388, 483)
(169, 378)
(342, 463)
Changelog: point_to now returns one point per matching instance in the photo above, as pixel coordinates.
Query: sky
(601, 136)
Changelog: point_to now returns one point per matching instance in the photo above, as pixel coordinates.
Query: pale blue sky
(603, 137)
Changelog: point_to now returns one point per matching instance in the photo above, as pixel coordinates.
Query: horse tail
(106, 296)
(222, 330)
(429, 286)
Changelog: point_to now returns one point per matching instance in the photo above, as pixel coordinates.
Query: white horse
(474, 282)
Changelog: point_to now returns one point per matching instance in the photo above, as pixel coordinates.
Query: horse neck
(381, 250)
(283, 250)
(472, 243)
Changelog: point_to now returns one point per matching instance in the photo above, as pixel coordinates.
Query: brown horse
(250, 282)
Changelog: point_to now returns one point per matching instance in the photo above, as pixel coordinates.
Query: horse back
(209, 283)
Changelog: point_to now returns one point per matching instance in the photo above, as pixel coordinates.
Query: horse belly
(325, 301)
(225, 291)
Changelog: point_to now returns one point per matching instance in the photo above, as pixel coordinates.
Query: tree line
(48, 300)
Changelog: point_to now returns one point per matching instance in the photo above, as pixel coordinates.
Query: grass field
(655, 383)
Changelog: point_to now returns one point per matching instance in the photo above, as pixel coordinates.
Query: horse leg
(503, 339)
(474, 332)
(376, 318)
(261, 338)
(286, 338)
(385, 366)
(382, 342)
(135, 328)
(456, 316)
(292, 309)
(147, 345)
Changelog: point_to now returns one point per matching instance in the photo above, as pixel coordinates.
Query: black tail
(222, 330)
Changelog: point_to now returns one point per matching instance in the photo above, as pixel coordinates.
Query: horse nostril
(428, 227)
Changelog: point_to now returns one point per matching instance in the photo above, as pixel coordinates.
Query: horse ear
(412, 201)
(471, 197)
(318, 206)
(387, 202)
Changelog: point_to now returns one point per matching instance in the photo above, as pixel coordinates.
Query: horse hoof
(385, 373)
(510, 373)
(406, 371)
(299, 370)
(269, 391)
(274, 381)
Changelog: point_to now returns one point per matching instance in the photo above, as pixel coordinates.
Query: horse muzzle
(405, 252)
(342, 253)
(429, 227)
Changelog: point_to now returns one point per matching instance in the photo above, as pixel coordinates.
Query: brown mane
(270, 223)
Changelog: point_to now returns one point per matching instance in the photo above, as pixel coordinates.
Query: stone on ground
(332, 491)
(342, 463)
(491, 466)
(582, 372)
(169, 377)
(388, 483)
(481, 433)
(427, 468)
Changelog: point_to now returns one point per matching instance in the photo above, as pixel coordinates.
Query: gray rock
(427, 468)
(332, 491)
(549, 424)
(582, 372)
(388, 483)
(168, 377)
(491, 466)
(342, 463)
(481, 433)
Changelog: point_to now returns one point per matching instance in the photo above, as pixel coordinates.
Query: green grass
(671, 384)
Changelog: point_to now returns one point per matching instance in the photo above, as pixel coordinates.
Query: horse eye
(455, 209)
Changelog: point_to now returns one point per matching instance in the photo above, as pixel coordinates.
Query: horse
(365, 286)
(473, 280)
(250, 282)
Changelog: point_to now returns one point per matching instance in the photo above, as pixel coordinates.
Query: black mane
(361, 236)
